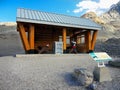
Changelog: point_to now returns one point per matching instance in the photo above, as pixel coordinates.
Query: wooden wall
(44, 36)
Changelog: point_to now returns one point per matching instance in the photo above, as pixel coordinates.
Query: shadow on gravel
(70, 80)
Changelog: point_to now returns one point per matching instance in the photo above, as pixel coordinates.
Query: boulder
(114, 63)
(83, 76)
(92, 86)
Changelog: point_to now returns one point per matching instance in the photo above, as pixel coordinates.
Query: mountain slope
(110, 21)
(94, 17)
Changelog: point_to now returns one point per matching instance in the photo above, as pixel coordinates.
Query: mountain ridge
(8, 23)
(109, 21)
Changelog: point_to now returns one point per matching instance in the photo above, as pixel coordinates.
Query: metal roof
(32, 16)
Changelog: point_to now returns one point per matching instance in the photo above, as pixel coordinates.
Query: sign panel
(58, 47)
(100, 56)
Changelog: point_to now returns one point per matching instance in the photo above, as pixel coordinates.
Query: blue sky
(8, 8)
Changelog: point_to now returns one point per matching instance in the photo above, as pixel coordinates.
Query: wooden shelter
(38, 28)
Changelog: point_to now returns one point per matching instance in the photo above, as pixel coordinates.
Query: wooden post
(31, 36)
(94, 39)
(64, 38)
(88, 40)
(24, 37)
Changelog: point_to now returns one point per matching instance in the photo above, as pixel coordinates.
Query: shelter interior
(35, 35)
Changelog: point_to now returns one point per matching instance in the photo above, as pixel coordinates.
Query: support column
(94, 39)
(24, 37)
(64, 39)
(88, 40)
(31, 36)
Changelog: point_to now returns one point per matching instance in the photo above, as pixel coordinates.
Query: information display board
(100, 56)
(58, 47)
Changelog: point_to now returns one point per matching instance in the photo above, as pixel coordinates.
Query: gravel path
(50, 72)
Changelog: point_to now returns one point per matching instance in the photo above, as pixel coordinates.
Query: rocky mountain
(7, 27)
(110, 21)
(93, 16)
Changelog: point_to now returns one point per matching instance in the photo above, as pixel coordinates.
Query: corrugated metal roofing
(32, 16)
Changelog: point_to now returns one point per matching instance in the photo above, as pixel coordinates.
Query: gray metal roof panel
(32, 16)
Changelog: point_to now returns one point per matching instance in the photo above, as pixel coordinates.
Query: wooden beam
(31, 36)
(94, 39)
(78, 33)
(64, 38)
(24, 37)
(88, 40)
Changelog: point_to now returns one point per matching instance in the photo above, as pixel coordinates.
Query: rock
(83, 76)
(102, 74)
(92, 86)
(114, 63)
(93, 16)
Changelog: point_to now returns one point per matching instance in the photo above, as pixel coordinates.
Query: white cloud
(90, 5)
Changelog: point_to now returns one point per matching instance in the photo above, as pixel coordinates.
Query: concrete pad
(53, 55)
(102, 74)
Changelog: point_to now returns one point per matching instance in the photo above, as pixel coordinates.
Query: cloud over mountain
(94, 6)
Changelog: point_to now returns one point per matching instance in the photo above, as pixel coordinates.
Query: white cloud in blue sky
(91, 5)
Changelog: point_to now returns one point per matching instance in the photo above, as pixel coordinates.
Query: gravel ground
(112, 47)
(42, 72)
(49, 72)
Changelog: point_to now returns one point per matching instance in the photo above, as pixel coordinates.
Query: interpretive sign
(100, 57)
